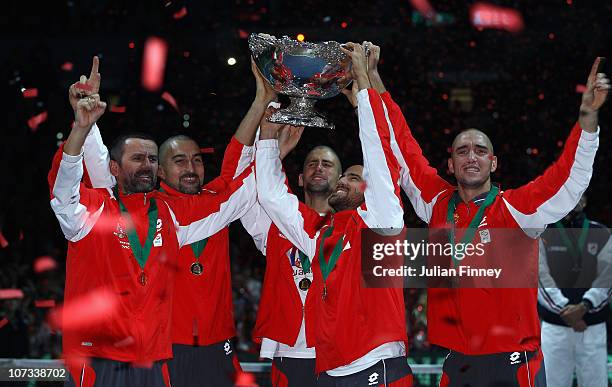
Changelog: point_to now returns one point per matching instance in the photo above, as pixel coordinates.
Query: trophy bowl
(303, 71)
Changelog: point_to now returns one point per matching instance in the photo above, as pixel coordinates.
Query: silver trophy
(303, 71)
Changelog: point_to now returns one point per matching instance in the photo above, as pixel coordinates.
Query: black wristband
(586, 302)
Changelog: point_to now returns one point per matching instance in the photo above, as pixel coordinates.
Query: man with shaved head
(493, 334)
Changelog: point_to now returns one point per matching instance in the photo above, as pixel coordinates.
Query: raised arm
(419, 180)
(273, 194)
(382, 208)
(283, 207)
(199, 216)
(256, 221)
(555, 193)
(76, 207)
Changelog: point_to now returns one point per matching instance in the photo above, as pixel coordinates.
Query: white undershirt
(271, 348)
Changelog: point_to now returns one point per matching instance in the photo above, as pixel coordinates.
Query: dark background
(521, 91)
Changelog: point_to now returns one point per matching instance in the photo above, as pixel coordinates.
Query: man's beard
(189, 189)
(344, 202)
(318, 189)
(135, 185)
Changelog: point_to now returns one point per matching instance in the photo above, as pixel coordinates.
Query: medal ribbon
(575, 252)
(328, 265)
(471, 231)
(305, 262)
(198, 247)
(141, 253)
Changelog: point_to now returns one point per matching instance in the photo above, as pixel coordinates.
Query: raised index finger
(94, 67)
(594, 68)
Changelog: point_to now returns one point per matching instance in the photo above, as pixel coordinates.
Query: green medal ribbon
(471, 231)
(141, 253)
(328, 265)
(305, 262)
(573, 250)
(198, 247)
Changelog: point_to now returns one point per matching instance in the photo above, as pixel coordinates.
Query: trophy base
(301, 112)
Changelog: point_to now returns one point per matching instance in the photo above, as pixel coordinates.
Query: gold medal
(142, 279)
(305, 284)
(197, 268)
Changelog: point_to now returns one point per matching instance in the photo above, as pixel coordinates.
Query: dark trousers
(209, 365)
(506, 369)
(112, 373)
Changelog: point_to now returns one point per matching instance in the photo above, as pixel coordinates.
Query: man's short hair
(118, 147)
(165, 146)
(478, 131)
(327, 148)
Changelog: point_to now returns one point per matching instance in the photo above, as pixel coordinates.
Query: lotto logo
(514, 358)
(373, 379)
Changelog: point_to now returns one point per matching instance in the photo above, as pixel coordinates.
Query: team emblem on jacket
(592, 248)
(158, 241)
(122, 237)
(119, 233)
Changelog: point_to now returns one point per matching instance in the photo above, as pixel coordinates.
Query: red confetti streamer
(3, 242)
(94, 308)
(83, 86)
(44, 303)
(180, 13)
(38, 119)
(580, 88)
(170, 99)
(117, 109)
(245, 379)
(154, 63)
(424, 8)
(20, 235)
(125, 342)
(44, 263)
(10, 294)
(243, 34)
(207, 150)
(30, 93)
(142, 364)
(67, 66)
(485, 15)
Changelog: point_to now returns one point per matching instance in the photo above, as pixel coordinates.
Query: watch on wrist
(587, 303)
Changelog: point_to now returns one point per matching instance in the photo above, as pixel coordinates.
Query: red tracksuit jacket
(351, 321)
(137, 329)
(483, 321)
(202, 313)
(280, 312)
(203, 310)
